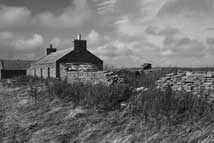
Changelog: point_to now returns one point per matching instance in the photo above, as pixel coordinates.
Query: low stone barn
(13, 68)
(56, 64)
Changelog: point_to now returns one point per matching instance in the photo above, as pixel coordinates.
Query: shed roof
(53, 57)
(15, 64)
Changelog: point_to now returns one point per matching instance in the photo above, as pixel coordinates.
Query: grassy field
(53, 111)
(155, 106)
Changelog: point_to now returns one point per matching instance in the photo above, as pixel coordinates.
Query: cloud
(9, 39)
(122, 20)
(93, 37)
(106, 6)
(210, 29)
(184, 47)
(122, 53)
(188, 8)
(122, 32)
(72, 16)
(173, 42)
(150, 8)
(6, 35)
(162, 31)
(126, 27)
(15, 46)
(32, 43)
(115, 49)
(61, 43)
(171, 34)
(56, 42)
(11, 15)
(210, 41)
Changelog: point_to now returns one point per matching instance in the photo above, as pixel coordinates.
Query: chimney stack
(79, 44)
(50, 50)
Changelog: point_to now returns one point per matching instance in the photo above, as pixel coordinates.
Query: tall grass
(151, 106)
(146, 80)
(20, 81)
(96, 96)
(170, 107)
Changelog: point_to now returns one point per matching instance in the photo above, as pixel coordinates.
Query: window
(48, 72)
(41, 72)
(34, 70)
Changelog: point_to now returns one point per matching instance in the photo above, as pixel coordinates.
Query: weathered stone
(105, 78)
(194, 82)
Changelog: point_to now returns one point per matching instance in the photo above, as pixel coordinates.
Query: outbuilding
(57, 63)
(13, 68)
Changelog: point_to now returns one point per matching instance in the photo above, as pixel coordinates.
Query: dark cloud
(169, 31)
(210, 41)
(8, 52)
(153, 30)
(210, 29)
(185, 47)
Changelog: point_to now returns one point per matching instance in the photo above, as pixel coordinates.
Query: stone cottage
(56, 64)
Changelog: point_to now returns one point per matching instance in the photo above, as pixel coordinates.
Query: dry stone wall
(191, 82)
(100, 77)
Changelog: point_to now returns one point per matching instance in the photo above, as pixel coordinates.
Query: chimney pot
(79, 37)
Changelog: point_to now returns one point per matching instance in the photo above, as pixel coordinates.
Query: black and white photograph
(106, 71)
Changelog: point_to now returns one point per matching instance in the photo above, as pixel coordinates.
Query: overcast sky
(121, 32)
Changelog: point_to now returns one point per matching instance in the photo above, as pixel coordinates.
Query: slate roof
(53, 57)
(15, 64)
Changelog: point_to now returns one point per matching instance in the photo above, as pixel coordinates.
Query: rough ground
(22, 120)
